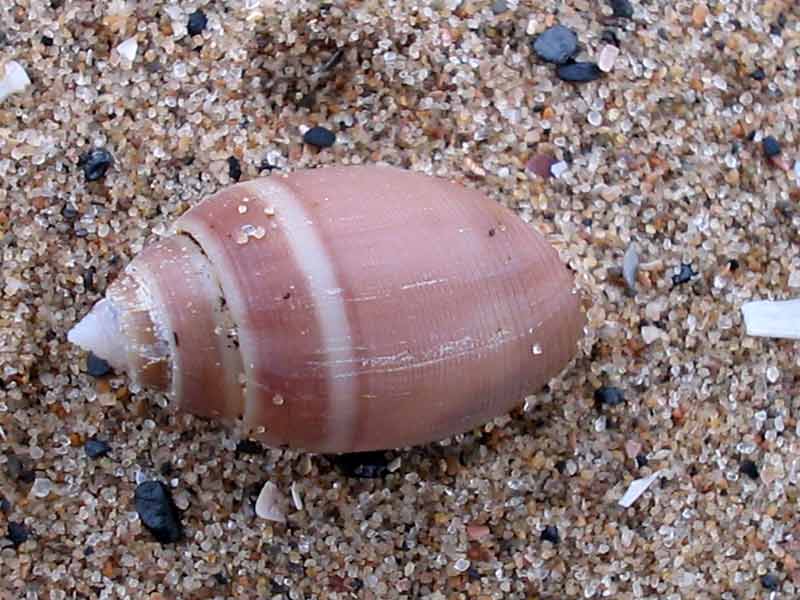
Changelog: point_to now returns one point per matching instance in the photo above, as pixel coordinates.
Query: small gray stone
(499, 7)
(157, 510)
(556, 45)
(579, 72)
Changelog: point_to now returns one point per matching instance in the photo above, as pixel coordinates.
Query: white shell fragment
(297, 499)
(14, 80)
(270, 503)
(637, 488)
(607, 58)
(128, 49)
(772, 318)
(630, 265)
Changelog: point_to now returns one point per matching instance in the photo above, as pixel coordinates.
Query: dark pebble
(622, 8)
(197, 22)
(96, 366)
(579, 72)
(770, 582)
(158, 512)
(249, 447)
(776, 29)
(319, 137)
(684, 275)
(758, 74)
(47, 41)
(749, 468)
(266, 166)
(550, 534)
(18, 470)
(95, 163)
(366, 465)
(5, 506)
(641, 460)
(17, 533)
(608, 396)
(733, 264)
(234, 168)
(88, 279)
(770, 146)
(556, 45)
(96, 448)
(609, 36)
(69, 212)
(499, 7)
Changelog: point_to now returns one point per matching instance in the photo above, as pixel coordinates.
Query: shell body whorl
(348, 308)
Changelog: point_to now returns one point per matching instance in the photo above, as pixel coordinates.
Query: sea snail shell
(342, 309)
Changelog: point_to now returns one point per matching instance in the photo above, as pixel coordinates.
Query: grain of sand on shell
(449, 88)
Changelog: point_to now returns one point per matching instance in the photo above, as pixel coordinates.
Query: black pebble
(266, 166)
(17, 533)
(69, 212)
(579, 72)
(319, 137)
(47, 40)
(622, 8)
(556, 45)
(609, 396)
(249, 447)
(684, 275)
(88, 279)
(609, 36)
(366, 465)
(749, 468)
(550, 534)
(733, 264)
(770, 146)
(95, 163)
(18, 470)
(234, 168)
(158, 512)
(96, 366)
(770, 582)
(5, 506)
(641, 460)
(197, 22)
(758, 74)
(96, 448)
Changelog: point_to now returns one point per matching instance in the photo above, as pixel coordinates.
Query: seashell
(342, 309)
